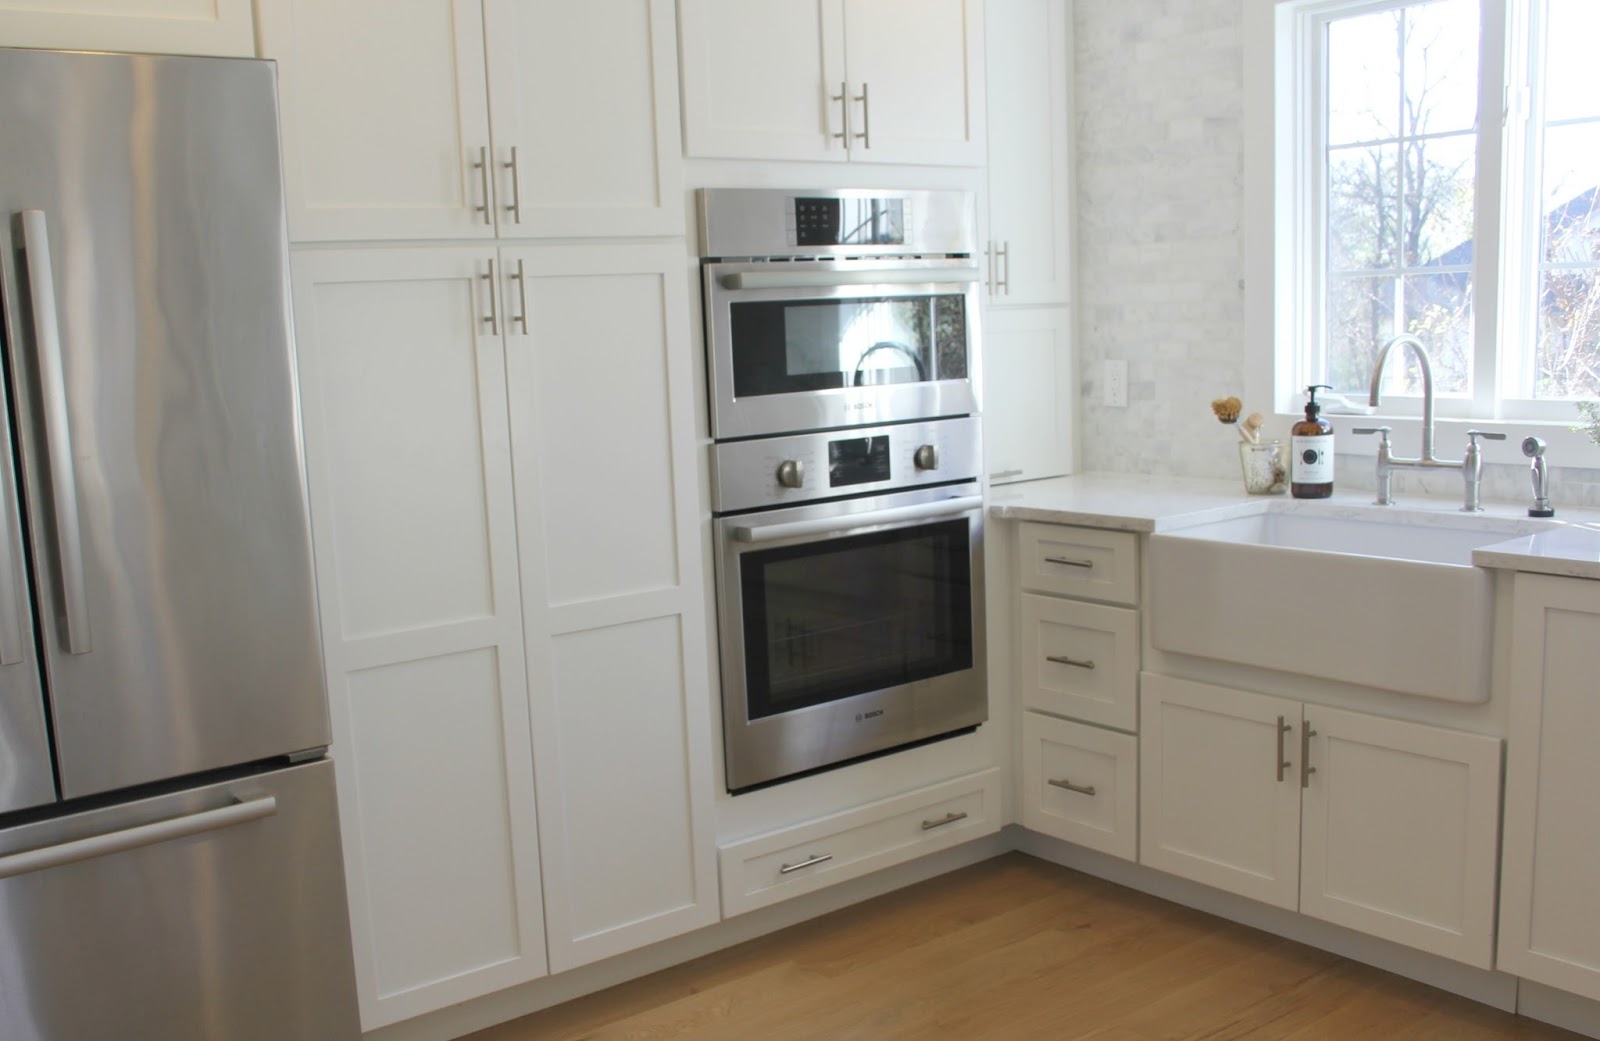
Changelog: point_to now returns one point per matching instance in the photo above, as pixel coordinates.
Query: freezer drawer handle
(58, 433)
(132, 838)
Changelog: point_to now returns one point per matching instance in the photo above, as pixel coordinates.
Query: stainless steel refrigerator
(169, 852)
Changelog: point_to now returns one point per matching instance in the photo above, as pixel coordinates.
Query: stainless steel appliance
(169, 860)
(849, 528)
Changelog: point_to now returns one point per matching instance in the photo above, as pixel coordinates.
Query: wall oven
(847, 509)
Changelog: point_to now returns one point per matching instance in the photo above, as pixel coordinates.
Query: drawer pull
(1069, 562)
(1060, 660)
(1003, 474)
(949, 818)
(1081, 789)
(810, 861)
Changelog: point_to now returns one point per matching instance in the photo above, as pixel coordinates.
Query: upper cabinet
(883, 81)
(217, 27)
(473, 119)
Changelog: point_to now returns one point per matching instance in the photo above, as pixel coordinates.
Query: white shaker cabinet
(475, 118)
(885, 81)
(213, 27)
(1029, 387)
(1384, 826)
(510, 585)
(1549, 896)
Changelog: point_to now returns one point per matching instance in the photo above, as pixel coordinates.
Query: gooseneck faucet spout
(1426, 364)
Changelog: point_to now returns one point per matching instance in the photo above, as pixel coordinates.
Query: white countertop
(1569, 545)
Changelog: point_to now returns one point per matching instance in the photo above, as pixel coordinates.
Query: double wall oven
(841, 331)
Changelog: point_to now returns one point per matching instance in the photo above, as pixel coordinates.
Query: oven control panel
(782, 471)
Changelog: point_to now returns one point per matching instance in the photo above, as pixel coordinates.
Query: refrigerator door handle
(58, 433)
(110, 842)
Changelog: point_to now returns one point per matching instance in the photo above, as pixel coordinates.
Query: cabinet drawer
(1081, 562)
(1080, 783)
(780, 864)
(1080, 660)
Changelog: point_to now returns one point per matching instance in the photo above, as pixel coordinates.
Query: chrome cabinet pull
(865, 137)
(1283, 764)
(94, 846)
(482, 166)
(493, 317)
(58, 433)
(988, 260)
(1004, 258)
(1066, 561)
(1306, 769)
(515, 209)
(1003, 474)
(810, 861)
(842, 135)
(521, 317)
(1059, 660)
(949, 818)
(1081, 789)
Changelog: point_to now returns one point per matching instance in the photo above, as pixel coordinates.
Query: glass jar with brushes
(1263, 463)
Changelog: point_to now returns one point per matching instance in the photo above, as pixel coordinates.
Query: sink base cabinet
(1389, 828)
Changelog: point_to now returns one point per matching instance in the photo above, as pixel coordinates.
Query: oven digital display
(849, 222)
(858, 460)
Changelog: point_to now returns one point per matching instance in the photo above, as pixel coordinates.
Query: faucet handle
(1473, 435)
(1382, 432)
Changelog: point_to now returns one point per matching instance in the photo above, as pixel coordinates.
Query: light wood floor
(1015, 949)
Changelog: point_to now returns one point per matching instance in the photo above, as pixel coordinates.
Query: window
(1436, 171)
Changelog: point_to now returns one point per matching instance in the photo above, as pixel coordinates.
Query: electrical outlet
(1115, 378)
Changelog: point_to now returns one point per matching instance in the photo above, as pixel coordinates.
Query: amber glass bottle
(1311, 445)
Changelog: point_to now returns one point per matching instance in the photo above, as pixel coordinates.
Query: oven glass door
(834, 618)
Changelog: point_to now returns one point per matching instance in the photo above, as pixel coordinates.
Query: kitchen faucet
(1471, 466)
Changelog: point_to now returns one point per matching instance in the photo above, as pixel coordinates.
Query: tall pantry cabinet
(498, 399)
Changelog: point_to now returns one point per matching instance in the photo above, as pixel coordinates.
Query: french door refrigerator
(169, 853)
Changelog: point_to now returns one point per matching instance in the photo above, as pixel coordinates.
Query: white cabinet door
(584, 112)
(1029, 389)
(601, 393)
(219, 27)
(1029, 75)
(1219, 788)
(919, 65)
(764, 80)
(1549, 897)
(409, 472)
(1399, 830)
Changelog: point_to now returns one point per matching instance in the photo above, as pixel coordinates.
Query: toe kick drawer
(1080, 784)
(780, 864)
(1080, 660)
(1082, 562)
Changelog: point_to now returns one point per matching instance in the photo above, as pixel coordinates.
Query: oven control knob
(792, 473)
(926, 457)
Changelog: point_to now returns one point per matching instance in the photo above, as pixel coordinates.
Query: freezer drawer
(216, 912)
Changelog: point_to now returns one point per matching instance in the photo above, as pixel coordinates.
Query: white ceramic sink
(1373, 598)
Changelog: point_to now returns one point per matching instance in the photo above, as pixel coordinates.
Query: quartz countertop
(1569, 545)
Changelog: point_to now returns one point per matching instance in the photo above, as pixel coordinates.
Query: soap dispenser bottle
(1311, 445)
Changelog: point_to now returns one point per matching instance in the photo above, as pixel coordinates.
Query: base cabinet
(1549, 896)
(1387, 827)
(1081, 784)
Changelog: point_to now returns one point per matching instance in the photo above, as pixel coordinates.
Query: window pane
(1441, 60)
(1572, 27)
(1571, 175)
(1360, 321)
(1441, 173)
(1363, 207)
(1364, 78)
(1439, 313)
(1568, 363)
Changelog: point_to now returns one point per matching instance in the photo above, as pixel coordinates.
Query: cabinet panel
(1399, 831)
(1214, 805)
(1080, 660)
(1549, 902)
(1080, 784)
(384, 115)
(1083, 562)
(759, 80)
(920, 63)
(1029, 390)
(219, 27)
(587, 94)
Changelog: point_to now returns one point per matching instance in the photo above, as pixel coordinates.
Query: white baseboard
(1558, 1008)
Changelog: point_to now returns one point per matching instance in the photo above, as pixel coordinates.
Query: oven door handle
(823, 279)
(854, 522)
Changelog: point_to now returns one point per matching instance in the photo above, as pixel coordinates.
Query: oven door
(812, 345)
(849, 629)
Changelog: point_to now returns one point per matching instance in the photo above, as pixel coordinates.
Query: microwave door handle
(754, 533)
(824, 279)
(58, 433)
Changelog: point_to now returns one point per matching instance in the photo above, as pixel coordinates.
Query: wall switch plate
(1115, 376)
